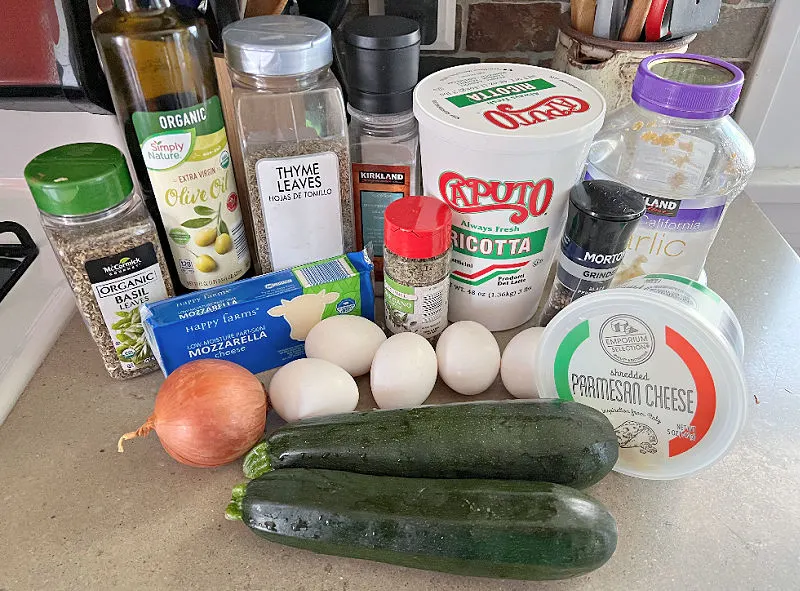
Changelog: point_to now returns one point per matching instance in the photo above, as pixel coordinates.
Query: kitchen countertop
(76, 514)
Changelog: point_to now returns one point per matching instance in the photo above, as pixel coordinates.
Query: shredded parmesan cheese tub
(661, 358)
(502, 144)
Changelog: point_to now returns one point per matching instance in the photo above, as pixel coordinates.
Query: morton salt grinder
(601, 217)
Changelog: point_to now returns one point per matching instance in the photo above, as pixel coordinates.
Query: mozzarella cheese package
(262, 322)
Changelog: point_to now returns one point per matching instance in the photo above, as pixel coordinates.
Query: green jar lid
(79, 179)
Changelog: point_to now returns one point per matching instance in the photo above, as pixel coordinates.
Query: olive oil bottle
(157, 58)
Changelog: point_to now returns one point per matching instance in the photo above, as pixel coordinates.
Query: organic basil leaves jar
(107, 245)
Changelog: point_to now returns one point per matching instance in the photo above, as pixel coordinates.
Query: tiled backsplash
(525, 31)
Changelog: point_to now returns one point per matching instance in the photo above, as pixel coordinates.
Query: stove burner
(15, 258)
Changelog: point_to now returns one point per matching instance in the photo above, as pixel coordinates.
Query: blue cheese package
(259, 323)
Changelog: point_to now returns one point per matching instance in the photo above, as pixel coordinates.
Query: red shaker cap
(417, 227)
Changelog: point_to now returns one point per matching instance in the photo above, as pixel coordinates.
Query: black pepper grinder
(382, 64)
(602, 215)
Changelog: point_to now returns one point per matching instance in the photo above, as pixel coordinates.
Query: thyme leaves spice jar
(417, 265)
(290, 115)
(107, 245)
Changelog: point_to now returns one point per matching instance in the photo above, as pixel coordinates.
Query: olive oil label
(189, 164)
(121, 283)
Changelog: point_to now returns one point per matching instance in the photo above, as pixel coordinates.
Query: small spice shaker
(107, 245)
(382, 66)
(290, 115)
(602, 215)
(417, 265)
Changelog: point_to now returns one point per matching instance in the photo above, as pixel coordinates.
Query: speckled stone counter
(75, 514)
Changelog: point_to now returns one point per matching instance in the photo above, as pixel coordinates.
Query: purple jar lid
(687, 85)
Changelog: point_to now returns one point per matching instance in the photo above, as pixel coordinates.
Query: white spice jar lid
(279, 45)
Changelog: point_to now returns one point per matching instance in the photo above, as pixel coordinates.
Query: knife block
(608, 65)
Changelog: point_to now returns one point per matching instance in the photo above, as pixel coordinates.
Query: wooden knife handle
(263, 7)
(582, 15)
(637, 15)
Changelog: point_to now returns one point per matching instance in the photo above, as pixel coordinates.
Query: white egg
(469, 357)
(347, 341)
(403, 372)
(312, 388)
(518, 366)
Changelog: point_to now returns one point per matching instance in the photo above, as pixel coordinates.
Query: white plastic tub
(502, 144)
(661, 357)
(697, 296)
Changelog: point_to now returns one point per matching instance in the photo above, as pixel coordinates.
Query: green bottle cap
(79, 179)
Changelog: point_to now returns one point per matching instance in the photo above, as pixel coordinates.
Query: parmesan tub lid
(509, 107)
(663, 373)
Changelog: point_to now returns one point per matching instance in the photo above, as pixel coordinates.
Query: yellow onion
(208, 412)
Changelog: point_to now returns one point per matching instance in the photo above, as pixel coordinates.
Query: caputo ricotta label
(189, 165)
(508, 204)
(648, 379)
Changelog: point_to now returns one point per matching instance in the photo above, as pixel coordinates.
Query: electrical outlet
(436, 18)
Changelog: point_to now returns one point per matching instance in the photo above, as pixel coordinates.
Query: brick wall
(525, 31)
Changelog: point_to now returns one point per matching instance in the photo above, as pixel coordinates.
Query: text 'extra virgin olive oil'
(159, 65)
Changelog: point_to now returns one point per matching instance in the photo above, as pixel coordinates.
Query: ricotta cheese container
(502, 144)
(661, 357)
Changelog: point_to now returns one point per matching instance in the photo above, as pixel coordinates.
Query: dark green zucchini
(546, 440)
(487, 528)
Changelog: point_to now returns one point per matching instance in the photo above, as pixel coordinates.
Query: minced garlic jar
(677, 144)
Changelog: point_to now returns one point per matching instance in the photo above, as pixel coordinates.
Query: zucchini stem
(233, 512)
(257, 461)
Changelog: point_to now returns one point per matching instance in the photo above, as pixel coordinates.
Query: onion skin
(208, 413)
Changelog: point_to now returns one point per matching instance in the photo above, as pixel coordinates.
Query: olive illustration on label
(206, 237)
(223, 243)
(216, 236)
(205, 264)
